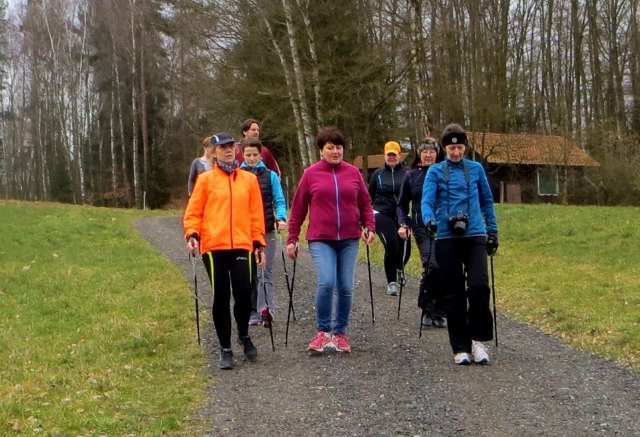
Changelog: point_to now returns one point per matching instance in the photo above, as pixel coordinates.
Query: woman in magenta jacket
(336, 198)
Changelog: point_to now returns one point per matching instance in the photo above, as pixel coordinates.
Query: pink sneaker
(341, 343)
(320, 342)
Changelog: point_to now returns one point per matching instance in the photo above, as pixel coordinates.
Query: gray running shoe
(392, 289)
(226, 359)
(462, 358)
(427, 320)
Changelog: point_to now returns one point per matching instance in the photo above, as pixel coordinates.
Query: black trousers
(467, 305)
(230, 273)
(430, 294)
(394, 246)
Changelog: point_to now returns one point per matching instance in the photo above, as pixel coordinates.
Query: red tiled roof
(529, 149)
(375, 161)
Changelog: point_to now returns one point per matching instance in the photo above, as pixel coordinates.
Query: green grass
(96, 329)
(571, 271)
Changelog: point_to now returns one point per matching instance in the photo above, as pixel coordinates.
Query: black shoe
(226, 359)
(250, 351)
(439, 322)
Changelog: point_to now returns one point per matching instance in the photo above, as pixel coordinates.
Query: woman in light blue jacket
(457, 204)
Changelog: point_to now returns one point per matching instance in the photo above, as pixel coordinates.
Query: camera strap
(467, 179)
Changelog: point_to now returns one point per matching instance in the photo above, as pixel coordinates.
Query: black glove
(492, 244)
(432, 228)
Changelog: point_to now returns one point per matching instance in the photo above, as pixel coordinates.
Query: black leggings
(467, 305)
(394, 246)
(229, 270)
(430, 295)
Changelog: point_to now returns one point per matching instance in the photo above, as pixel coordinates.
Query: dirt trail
(395, 383)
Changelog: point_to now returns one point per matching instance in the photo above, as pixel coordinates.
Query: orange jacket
(225, 210)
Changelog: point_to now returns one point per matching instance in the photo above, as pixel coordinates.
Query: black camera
(458, 223)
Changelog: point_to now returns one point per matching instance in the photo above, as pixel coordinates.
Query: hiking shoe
(462, 358)
(439, 322)
(392, 289)
(254, 319)
(341, 343)
(427, 320)
(479, 352)
(250, 351)
(321, 342)
(266, 316)
(226, 359)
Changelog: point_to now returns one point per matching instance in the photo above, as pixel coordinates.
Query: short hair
(246, 125)
(251, 142)
(330, 134)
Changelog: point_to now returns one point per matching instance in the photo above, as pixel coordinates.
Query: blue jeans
(335, 263)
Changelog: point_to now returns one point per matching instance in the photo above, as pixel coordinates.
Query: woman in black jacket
(430, 296)
(384, 189)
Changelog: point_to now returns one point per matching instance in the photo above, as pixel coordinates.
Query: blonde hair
(206, 143)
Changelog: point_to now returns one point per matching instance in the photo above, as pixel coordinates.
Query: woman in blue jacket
(457, 204)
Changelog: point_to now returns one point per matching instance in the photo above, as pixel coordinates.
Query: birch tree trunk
(314, 63)
(294, 103)
(134, 108)
(307, 144)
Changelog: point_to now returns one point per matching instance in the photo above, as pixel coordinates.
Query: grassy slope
(571, 271)
(95, 328)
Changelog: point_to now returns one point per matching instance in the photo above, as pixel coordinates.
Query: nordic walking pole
(373, 316)
(290, 310)
(286, 276)
(195, 293)
(402, 277)
(493, 289)
(423, 312)
(270, 320)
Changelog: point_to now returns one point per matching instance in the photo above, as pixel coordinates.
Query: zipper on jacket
(335, 182)
(230, 211)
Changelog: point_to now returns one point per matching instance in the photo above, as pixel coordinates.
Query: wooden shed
(530, 168)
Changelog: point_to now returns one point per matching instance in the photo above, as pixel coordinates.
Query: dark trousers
(430, 294)
(394, 246)
(229, 272)
(467, 307)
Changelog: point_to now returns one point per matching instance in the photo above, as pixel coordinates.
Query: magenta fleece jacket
(337, 201)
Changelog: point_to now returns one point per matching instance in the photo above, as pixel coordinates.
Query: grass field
(94, 335)
(95, 338)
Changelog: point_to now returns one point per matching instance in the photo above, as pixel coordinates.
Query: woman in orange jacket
(225, 220)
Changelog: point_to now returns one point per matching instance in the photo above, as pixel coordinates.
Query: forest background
(107, 102)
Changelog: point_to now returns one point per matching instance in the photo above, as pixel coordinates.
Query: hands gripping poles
(402, 277)
(195, 294)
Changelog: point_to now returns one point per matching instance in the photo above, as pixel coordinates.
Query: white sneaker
(392, 289)
(462, 358)
(479, 352)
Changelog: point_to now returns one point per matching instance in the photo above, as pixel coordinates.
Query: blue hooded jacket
(441, 200)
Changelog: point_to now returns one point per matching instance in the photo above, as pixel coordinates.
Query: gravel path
(394, 383)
